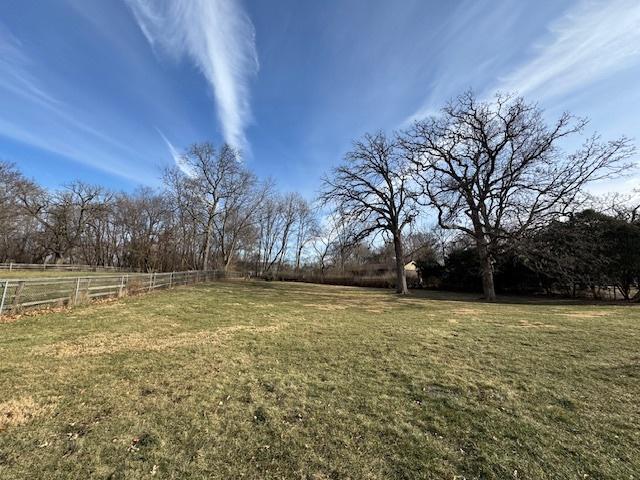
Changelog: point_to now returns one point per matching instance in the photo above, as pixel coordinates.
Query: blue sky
(109, 91)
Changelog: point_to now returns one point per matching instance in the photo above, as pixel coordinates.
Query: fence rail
(62, 267)
(19, 294)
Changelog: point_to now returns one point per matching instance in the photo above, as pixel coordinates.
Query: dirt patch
(102, 344)
(328, 307)
(467, 311)
(585, 314)
(346, 293)
(19, 411)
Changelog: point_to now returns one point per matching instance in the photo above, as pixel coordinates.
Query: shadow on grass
(513, 299)
(450, 296)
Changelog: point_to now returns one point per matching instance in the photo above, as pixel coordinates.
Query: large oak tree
(372, 188)
(494, 169)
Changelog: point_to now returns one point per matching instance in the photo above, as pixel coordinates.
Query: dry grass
(587, 313)
(105, 343)
(18, 411)
(273, 380)
(20, 274)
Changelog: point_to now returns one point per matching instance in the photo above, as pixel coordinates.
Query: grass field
(276, 380)
(20, 274)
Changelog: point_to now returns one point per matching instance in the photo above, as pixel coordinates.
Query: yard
(24, 274)
(279, 380)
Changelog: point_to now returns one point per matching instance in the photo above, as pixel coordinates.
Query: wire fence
(17, 295)
(61, 267)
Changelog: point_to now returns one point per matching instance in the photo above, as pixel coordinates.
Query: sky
(112, 92)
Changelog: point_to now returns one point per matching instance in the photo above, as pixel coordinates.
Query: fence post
(10, 266)
(4, 295)
(16, 298)
(121, 290)
(170, 279)
(75, 296)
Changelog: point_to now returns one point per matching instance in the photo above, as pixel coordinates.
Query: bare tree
(238, 213)
(211, 212)
(15, 226)
(205, 188)
(144, 216)
(63, 215)
(346, 239)
(277, 217)
(494, 170)
(334, 242)
(322, 248)
(624, 206)
(306, 228)
(420, 244)
(373, 188)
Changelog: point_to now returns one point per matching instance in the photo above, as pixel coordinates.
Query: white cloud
(592, 40)
(177, 157)
(218, 36)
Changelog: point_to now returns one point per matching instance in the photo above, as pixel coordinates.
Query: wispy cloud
(218, 36)
(177, 157)
(39, 118)
(473, 42)
(592, 40)
(14, 65)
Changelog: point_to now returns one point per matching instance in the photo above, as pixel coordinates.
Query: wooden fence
(19, 294)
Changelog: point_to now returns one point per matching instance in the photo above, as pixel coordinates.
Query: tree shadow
(511, 299)
(452, 296)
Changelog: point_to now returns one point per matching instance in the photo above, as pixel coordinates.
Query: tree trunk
(207, 245)
(488, 287)
(227, 261)
(401, 278)
(298, 258)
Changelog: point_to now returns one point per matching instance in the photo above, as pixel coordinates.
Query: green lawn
(276, 380)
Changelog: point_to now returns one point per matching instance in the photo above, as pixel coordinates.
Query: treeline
(506, 198)
(212, 213)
